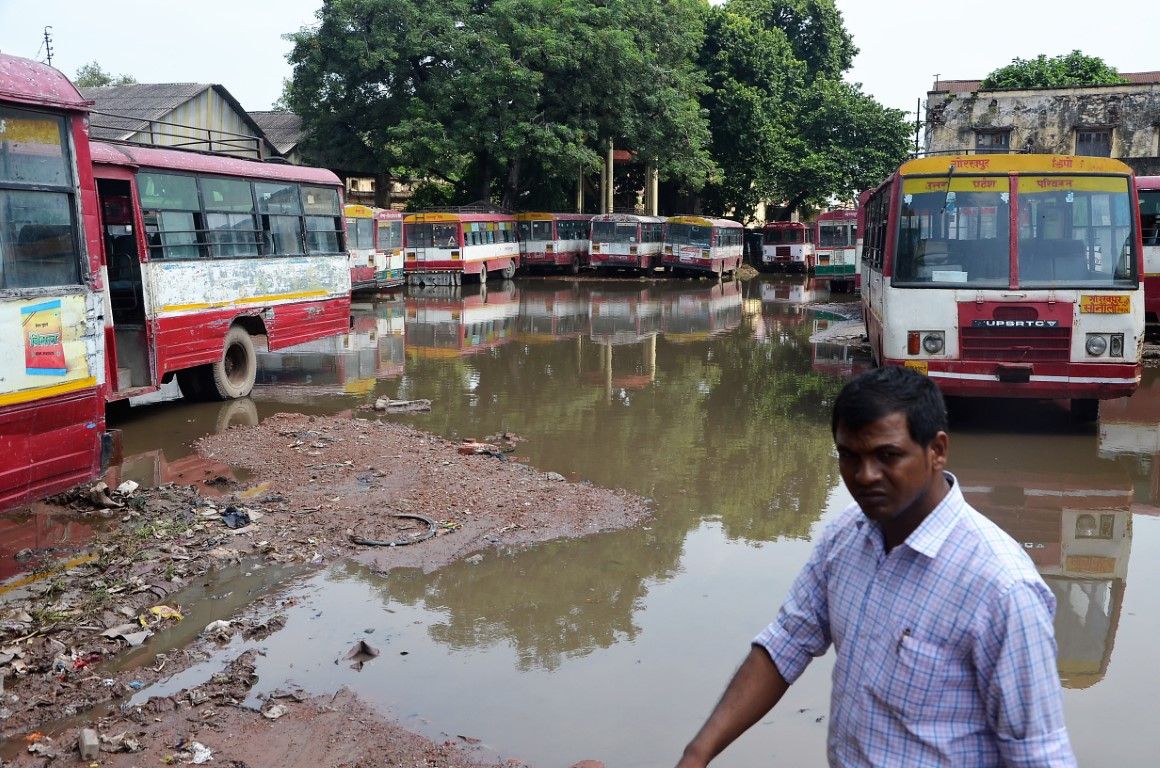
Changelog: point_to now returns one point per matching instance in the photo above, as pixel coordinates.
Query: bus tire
(234, 374)
(1085, 410)
(509, 271)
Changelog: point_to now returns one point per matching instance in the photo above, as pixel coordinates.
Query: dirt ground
(317, 490)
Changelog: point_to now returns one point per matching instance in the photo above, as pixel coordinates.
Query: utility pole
(917, 123)
(48, 44)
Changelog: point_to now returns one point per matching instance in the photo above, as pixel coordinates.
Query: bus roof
(30, 82)
(784, 225)
(628, 218)
(704, 221)
(545, 216)
(199, 162)
(358, 211)
(838, 214)
(1148, 182)
(428, 218)
(939, 165)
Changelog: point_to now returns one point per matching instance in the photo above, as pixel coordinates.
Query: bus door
(131, 364)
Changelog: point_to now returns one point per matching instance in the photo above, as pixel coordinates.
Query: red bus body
(458, 244)
(1148, 188)
(554, 239)
(702, 244)
(52, 379)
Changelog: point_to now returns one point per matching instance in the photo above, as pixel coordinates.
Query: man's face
(886, 471)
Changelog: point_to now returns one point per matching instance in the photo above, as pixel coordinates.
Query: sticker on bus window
(917, 365)
(43, 340)
(1105, 305)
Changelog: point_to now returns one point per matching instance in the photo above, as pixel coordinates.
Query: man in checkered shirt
(941, 625)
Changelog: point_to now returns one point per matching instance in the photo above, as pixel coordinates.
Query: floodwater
(710, 400)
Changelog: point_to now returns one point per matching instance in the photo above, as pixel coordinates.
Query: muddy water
(711, 401)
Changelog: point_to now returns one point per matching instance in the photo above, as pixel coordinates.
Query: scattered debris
(199, 753)
(403, 541)
(274, 712)
(402, 406)
(361, 653)
(235, 517)
(99, 497)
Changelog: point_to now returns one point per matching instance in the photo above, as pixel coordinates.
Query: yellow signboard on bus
(1105, 305)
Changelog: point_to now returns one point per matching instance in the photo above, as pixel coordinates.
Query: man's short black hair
(880, 392)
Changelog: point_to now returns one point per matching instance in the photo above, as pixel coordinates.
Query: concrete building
(191, 115)
(1120, 121)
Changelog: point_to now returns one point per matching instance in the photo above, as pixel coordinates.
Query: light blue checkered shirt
(945, 646)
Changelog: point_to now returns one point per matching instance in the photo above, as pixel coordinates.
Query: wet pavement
(710, 400)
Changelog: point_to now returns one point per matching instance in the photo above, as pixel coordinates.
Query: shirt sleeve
(801, 630)
(1018, 678)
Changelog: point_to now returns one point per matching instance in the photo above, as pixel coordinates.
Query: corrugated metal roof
(136, 105)
(283, 128)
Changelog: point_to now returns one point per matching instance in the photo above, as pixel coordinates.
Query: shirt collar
(927, 539)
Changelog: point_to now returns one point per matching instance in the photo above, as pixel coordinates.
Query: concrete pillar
(580, 191)
(611, 182)
(653, 181)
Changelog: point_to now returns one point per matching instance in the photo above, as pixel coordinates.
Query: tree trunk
(511, 192)
(483, 192)
(382, 190)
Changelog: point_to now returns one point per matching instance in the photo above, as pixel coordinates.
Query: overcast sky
(238, 43)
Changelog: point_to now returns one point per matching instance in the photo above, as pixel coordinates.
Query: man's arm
(755, 688)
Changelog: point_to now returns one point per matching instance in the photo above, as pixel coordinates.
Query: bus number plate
(917, 365)
(1105, 305)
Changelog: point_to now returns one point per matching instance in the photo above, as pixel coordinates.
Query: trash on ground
(361, 653)
(274, 712)
(402, 406)
(235, 517)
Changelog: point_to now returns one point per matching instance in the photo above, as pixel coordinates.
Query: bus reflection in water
(692, 313)
(550, 314)
(1075, 523)
(455, 321)
(344, 364)
(624, 323)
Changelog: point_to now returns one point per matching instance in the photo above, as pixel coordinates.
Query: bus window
(170, 207)
(229, 219)
(322, 218)
(689, 234)
(834, 235)
(281, 222)
(419, 236)
(950, 233)
(390, 235)
(445, 236)
(541, 230)
(1075, 230)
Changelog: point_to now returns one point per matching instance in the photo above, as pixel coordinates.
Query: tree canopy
(1073, 69)
(509, 100)
(91, 75)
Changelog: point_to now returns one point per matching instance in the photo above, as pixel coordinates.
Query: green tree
(91, 75)
(814, 28)
(1073, 69)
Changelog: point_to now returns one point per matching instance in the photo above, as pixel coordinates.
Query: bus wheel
(234, 374)
(509, 271)
(483, 272)
(1085, 410)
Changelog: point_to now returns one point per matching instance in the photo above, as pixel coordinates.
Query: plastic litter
(235, 517)
(201, 753)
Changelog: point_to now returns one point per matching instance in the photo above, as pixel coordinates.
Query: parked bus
(1149, 190)
(441, 248)
(52, 375)
(207, 255)
(835, 256)
(625, 241)
(1008, 275)
(786, 246)
(701, 244)
(554, 240)
(375, 241)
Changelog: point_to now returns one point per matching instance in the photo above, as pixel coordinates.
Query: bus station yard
(78, 643)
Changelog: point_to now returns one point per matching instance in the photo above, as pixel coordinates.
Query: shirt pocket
(913, 677)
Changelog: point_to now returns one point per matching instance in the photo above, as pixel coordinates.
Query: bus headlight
(1116, 348)
(933, 342)
(1097, 344)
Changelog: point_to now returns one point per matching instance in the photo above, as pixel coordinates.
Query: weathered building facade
(1120, 121)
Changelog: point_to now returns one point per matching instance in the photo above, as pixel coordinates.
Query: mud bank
(319, 489)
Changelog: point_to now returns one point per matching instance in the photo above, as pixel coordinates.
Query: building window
(1094, 142)
(992, 142)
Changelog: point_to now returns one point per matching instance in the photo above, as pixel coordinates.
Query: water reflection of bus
(698, 312)
(551, 314)
(786, 246)
(343, 364)
(452, 321)
(1071, 512)
(841, 358)
(623, 316)
(392, 338)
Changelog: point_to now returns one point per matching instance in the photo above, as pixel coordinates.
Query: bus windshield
(614, 232)
(954, 231)
(390, 235)
(835, 235)
(690, 234)
(788, 236)
(1076, 231)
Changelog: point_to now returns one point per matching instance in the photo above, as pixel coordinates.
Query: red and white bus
(208, 256)
(1149, 191)
(835, 256)
(702, 244)
(554, 240)
(1008, 276)
(375, 241)
(52, 375)
(786, 246)
(626, 241)
(440, 248)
